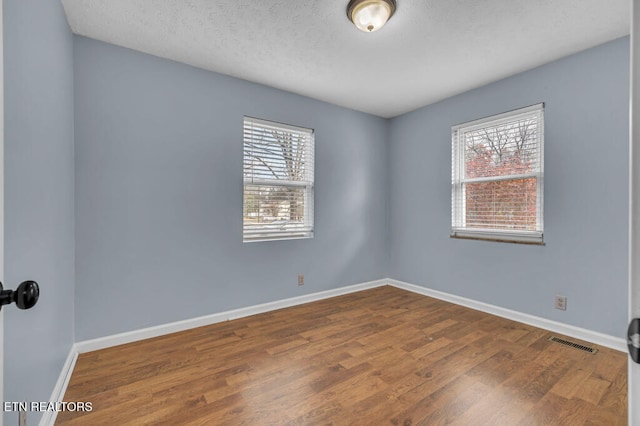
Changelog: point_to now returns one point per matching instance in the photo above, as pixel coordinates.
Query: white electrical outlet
(300, 279)
(561, 302)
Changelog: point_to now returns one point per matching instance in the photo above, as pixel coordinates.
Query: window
(497, 177)
(278, 181)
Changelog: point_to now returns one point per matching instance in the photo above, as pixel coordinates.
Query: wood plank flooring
(381, 356)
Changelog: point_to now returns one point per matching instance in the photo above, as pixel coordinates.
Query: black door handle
(25, 296)
(633, 339)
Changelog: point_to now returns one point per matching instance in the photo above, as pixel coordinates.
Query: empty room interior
(316, 212)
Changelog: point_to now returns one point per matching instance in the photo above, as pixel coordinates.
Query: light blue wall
(39, 207)
(159, 194)
(585, 205)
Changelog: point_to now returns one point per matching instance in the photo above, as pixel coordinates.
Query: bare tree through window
(497, 172)
(503, 151)
(278, 175)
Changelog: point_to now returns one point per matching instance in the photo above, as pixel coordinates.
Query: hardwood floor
(381, 356)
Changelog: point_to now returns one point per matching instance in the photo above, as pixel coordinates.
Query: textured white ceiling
(428, 51)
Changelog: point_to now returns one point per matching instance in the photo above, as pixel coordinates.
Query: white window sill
(531, 238)
(297, 236)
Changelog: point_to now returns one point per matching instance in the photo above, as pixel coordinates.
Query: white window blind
(497, 177)
(278, 181)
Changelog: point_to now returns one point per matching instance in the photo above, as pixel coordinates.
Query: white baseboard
(602, 339)
(160, 330)
(49, 417)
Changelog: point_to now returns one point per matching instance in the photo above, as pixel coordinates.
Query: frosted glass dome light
(370, 15)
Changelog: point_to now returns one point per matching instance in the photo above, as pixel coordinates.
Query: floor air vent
(573, 345)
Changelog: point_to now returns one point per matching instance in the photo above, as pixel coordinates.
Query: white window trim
(457, 184)
(303, 232)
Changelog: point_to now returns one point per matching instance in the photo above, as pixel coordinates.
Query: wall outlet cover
(561, 302)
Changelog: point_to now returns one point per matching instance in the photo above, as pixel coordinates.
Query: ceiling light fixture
(370, 15)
